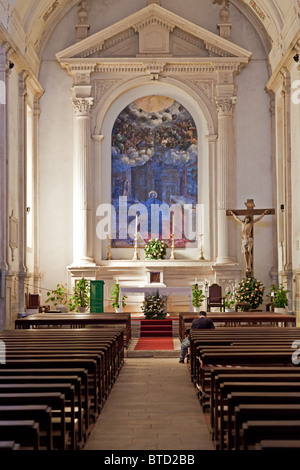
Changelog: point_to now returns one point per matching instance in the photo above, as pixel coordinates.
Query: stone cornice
(148, 65)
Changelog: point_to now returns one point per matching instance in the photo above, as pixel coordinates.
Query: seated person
(198, 323)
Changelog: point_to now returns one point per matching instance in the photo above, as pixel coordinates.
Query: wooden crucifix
(247, 230)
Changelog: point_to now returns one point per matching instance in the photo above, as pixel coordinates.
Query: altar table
(163, 291)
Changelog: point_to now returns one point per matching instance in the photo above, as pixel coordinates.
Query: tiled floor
(152, 406)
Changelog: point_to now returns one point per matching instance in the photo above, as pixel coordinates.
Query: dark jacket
(202, 323)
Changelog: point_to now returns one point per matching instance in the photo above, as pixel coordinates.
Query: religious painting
(154, 170)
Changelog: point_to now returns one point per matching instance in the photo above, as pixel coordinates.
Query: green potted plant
(154, 307)
(81, 296)
(198, 297)
(229, 301)
(114, 296)
(59, 297)
(281, 299)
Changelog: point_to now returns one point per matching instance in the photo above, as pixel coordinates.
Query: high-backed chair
(215, 298)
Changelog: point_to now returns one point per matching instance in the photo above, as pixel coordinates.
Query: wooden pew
(25, 432)
(41, 414)
(246, 371)
(60, 374)
(75, 415)
(65, 388)
(266, 411)
(255, 431)
(9, 445)
(237, 353)
(97, 352)
(249, 387)
(277, 445)
(240, 380)
(78, 320)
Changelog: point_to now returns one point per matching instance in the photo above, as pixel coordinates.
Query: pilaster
(22, 189)
(4, 71)
(225, 172)
(82, 104)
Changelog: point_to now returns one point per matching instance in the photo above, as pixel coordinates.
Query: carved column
(286, 185)
(225, 171)
(22, 189)
(82, 254)
(4, 68)
(36, 270)
(98, 139)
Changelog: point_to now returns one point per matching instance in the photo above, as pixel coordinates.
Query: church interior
(151, 146)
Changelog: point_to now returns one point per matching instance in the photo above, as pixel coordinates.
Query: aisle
(153, 406)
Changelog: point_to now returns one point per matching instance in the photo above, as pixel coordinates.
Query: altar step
(141, 327)
(153, 328)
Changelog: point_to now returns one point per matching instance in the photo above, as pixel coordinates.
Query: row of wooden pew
(54, 383)
(248, 383)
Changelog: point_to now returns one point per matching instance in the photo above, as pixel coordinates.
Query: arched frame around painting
(190, 104)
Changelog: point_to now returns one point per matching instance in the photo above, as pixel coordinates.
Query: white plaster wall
(55, 139)
(55, 176)
(295, 169)
(13, 158)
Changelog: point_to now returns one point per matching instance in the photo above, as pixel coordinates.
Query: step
(156, 327)
(156, 333)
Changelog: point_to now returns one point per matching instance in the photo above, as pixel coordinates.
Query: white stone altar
(164, 291)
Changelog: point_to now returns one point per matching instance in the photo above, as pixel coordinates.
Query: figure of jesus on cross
(247, 230)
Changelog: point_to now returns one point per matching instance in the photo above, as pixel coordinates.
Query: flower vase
(279, 310)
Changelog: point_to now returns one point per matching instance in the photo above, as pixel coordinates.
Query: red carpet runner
(155, 343)
(155, 335)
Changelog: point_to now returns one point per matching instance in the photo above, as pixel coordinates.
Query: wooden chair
(215, 298)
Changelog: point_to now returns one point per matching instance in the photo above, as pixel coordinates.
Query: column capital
(98, 138)
(225, 105)
(82, 106)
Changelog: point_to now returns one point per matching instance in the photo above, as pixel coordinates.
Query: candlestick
(201, 257)
(109, 255)
(172, 247)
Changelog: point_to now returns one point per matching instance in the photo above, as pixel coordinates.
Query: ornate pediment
(153, 32)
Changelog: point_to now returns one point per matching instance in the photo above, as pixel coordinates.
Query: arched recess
(203, 112)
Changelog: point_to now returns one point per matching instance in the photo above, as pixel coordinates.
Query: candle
(173, 224)
(136, 224)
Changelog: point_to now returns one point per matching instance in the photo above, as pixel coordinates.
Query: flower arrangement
(155, 249)
(154, 307)
(250, 291)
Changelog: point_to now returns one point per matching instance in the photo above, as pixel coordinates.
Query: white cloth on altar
(162, 291)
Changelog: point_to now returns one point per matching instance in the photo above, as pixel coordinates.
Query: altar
(173, 278)
(163, 291)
